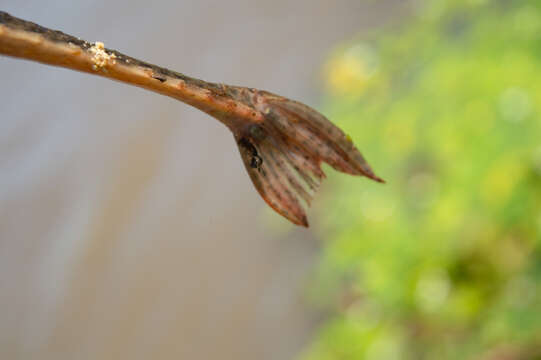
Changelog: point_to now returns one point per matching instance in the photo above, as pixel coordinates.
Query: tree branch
(282, 142)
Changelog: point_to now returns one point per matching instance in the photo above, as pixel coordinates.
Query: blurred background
(444, 262)
(129, 228)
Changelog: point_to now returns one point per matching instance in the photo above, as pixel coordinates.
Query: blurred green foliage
(444, 261)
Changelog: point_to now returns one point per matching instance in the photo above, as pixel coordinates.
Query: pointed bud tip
(375, 178)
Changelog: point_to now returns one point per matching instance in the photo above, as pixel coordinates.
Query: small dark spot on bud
(256, 161)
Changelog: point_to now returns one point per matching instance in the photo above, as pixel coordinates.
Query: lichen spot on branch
(101, 58)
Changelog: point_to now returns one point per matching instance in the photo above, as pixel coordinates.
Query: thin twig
(282, 142)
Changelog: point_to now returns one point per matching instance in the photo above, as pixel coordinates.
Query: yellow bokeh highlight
(500, 180)
(348, 72)
(448, 213)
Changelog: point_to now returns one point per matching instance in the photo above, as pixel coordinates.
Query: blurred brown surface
(128, 227)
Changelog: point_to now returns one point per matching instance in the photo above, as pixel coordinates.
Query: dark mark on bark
(159, 78)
